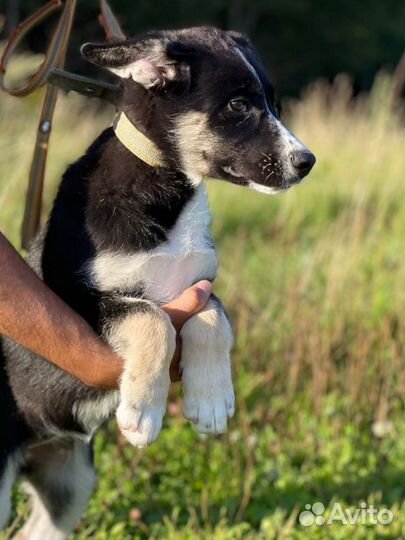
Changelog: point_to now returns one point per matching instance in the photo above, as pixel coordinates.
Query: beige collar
(137, 143)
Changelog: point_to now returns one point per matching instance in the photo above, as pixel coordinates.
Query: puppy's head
(204, 97)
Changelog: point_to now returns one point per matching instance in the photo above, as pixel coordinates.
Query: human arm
(36, 318)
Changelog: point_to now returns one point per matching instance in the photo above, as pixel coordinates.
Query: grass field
(314, 284)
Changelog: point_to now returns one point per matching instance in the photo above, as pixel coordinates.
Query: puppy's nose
(303, 161)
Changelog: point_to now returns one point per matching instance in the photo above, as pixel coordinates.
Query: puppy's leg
(146, 339)
(7, 479)
(208, 392)
(59, 479)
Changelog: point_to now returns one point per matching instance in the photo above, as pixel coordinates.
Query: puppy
(128, 232)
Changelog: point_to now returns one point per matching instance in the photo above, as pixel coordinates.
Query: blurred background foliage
(299, 40)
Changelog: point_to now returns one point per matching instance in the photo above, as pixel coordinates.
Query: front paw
(140, 424)
(209, 407)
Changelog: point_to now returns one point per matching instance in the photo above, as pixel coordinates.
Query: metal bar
(84, 85)
(33, 200)
(110, 24)
(55, 57)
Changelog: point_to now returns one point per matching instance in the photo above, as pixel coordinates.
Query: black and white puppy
(129, 231)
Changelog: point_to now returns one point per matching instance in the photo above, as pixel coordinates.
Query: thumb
(187, 304)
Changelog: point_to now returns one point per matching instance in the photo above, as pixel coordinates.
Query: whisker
(266, 155)
(266, 166)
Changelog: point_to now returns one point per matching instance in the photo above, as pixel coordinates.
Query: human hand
(180, 310)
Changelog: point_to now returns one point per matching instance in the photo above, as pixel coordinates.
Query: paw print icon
(312, 515)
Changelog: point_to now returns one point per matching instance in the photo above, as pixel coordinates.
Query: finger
(190, 302)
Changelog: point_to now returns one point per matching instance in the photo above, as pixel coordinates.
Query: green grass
(314, 283)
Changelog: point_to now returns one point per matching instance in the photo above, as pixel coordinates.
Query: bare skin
(33, 316)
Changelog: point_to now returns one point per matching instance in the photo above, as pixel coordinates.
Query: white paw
(140, 424)
(209, 413)
(207, 378)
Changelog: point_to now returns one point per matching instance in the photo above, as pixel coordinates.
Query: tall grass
(314, 284)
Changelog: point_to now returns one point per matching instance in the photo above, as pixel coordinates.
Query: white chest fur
(166, 271)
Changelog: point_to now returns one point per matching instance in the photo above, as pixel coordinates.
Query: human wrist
(105, 372)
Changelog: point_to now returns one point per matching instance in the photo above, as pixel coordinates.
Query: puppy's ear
(146, 61)
(240, 39)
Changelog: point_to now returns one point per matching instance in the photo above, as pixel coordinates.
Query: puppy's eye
(239, 105)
